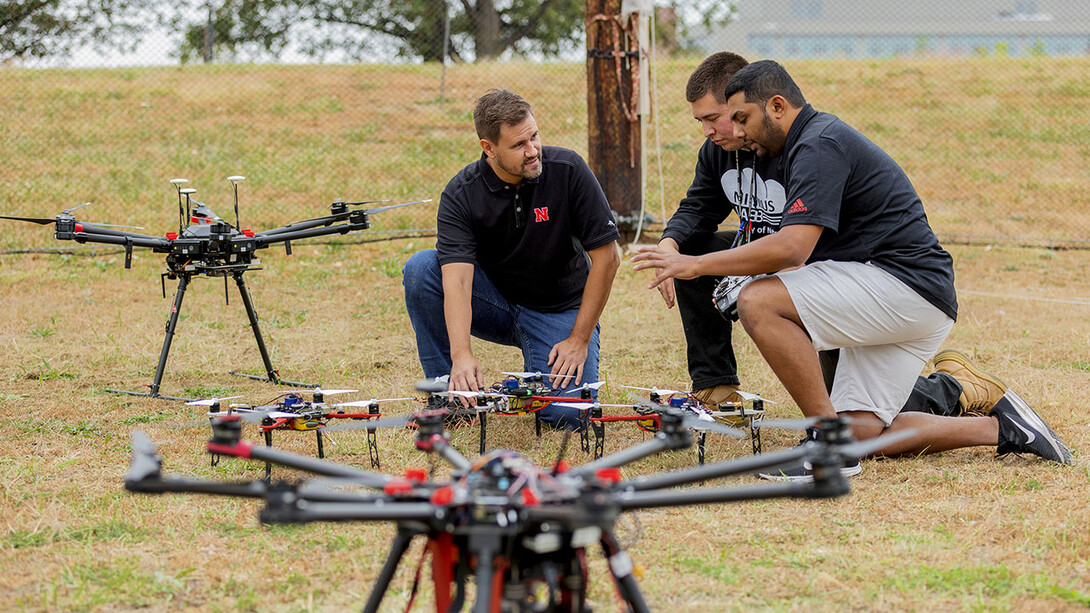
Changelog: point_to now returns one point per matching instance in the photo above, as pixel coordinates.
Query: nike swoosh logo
(1029, 433)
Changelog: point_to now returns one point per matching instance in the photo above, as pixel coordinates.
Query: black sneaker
(805, 472)
(1021, 430)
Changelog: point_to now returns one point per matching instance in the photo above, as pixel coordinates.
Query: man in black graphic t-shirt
(858, 269)
(728, 179)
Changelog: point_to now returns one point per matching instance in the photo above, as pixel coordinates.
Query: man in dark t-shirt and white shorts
(858, 269)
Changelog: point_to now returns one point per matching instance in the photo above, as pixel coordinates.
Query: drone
(291, 410)
(520, 530)
(206, 245)
(519, 393)
(733, 414)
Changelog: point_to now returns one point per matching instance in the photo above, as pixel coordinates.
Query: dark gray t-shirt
(839, 179)
(531, 240)
(725, 182)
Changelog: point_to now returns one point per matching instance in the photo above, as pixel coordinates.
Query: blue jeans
(496, 320)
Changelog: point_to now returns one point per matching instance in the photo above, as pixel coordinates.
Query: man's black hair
(763, 79)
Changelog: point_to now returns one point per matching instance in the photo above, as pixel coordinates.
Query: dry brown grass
(958, 531)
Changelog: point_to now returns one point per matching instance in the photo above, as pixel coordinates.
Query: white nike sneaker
(1021, 430)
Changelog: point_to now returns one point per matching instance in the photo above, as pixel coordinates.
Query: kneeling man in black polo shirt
(857, 268)
(525, 256)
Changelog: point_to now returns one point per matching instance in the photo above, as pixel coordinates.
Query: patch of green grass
(108, 531)
(388, 267)
(287, 319)
(86, 429)
(105, 583)
(997, 583)
(146, 418)
(39, 332)
(45, 371)
(209, 391)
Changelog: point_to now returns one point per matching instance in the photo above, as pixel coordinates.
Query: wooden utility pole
(612, 124)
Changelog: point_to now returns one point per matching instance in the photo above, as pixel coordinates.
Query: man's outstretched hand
(668, 265)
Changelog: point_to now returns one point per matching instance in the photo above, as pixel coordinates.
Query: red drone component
(248, 232)
(241, 449)
(416, 475)
(529, 498)
(172, 236)
(79, 227)
(443, 495)
(429, 443)
(398, 486)
(562, 467)
(609, 475)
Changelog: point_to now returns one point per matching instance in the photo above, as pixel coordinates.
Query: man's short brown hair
(712, 76)
(497, 108)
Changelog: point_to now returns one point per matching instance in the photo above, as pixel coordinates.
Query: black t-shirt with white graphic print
(531, 240)
(730, 181)
(839, 179)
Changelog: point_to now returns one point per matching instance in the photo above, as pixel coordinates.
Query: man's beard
(773, 135)
(521, 170)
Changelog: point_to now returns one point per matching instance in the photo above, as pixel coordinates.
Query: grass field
(955, 531)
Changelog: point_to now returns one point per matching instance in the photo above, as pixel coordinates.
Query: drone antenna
(181, 213)
(234, 179)
(187, 191)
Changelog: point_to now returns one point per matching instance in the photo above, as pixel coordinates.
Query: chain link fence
(984, 103)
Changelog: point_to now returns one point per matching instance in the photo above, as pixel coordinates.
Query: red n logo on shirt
(541, 214)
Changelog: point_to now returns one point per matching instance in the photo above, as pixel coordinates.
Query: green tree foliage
(45, 28)
(479, 29)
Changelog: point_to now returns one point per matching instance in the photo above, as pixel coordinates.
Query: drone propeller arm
(451, 455)
(264, 239)
(726, 468)
(155, 243)
(317, 222)
(660, 443)
(276, 513)
(247, 450)
(171, 485)
(836, 485)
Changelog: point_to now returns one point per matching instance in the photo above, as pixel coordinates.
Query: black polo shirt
(531, 240)
(839, 179)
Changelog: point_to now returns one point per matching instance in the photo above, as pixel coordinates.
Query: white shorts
(885, 331)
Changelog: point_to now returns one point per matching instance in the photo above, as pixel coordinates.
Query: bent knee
(418, 267)
(760, 298)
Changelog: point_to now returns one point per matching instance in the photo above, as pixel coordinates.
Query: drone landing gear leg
(489, 582)
(700, 447)
(372, 448)
(484, 431)
(620, 565)
(755, 431)
(599, 434)
(271, 374)
(172, 323)
(397, 550)
(321, 448)
(584, 432)
(268, 465)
